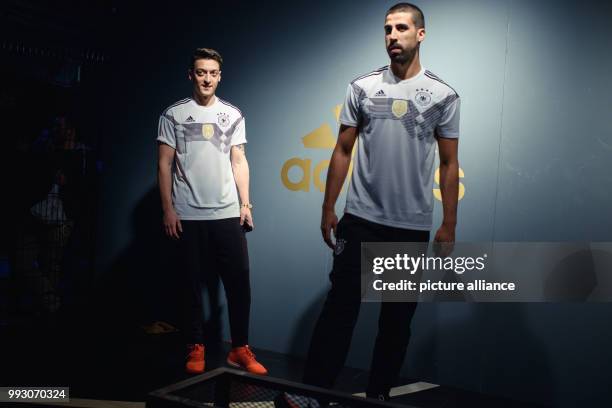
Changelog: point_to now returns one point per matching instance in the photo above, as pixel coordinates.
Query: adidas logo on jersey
(189, 119)
(380, 93)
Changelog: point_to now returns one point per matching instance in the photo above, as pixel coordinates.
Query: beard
(403, 57)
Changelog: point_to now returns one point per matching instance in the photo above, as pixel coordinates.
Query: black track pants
(332, 334)
(206, 247)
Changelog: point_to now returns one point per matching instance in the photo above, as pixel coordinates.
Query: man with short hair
(204, 187)
(398, 114)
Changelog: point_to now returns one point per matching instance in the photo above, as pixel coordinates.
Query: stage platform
(121, 370)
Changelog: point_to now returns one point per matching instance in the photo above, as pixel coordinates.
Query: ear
(190, 74)
(219, 76)
(421, 34)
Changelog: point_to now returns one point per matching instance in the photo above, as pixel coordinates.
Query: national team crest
(423, 97)
(399, 107)
(208, 131)
(339, 246)
(223, 119)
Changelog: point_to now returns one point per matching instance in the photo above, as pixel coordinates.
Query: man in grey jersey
(204, 186)
(398, 114)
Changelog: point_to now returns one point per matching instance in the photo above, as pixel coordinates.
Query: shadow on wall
(143, 284)
(484, 365)
(504, 369)
(304, 326)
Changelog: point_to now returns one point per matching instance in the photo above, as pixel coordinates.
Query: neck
(408, 69)
(204, 100)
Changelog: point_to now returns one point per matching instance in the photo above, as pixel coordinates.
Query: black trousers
(206, 247)
(332, 334)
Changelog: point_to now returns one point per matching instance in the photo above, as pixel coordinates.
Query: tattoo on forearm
(242, 147)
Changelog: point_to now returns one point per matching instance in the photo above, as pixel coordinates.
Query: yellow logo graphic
(323, 137)
(436, 191)
(399, 107)
(207, 131)
(320, 138)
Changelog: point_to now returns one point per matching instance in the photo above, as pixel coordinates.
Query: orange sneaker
(195, 359)
(243, 357)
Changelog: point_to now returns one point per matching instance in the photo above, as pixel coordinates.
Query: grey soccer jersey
(203, 185)
(397, 119)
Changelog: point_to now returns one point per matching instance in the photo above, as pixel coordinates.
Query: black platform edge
(163, 398)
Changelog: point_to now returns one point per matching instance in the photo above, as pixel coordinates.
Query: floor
(118, 366)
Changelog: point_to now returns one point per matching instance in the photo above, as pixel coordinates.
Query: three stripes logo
(380, 93)
(189, 119)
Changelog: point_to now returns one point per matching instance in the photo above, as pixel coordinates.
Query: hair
(417, 14)
(206, 53)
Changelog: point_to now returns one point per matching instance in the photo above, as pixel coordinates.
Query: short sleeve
(165, 131)
(449, 124)
(239, 133)
(350, 114)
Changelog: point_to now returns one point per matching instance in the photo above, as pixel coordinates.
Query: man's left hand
(446, 233)
(445, 236)
(246, 216)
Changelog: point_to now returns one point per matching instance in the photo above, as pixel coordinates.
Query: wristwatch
(247, 205)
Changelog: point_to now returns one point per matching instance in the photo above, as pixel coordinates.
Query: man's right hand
(329, 221)
(172, 224)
